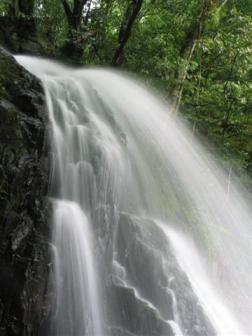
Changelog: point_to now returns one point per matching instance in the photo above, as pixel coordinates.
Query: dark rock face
(23, 205)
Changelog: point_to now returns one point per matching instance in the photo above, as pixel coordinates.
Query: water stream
(122, 169)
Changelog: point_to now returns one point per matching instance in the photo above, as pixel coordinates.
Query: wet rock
(23, 205)
(136, 316)
(148, 286)
(20, 234)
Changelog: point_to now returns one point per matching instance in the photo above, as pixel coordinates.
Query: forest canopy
(198, 53)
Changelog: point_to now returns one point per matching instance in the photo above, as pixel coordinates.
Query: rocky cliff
(23, 205)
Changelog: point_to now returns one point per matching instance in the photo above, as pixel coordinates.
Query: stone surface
(149, 291)
(23, 205)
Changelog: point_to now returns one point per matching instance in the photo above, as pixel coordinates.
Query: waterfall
(77, 296)
(151, 237)
(218, 314)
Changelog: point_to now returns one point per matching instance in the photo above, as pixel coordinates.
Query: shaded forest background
(198, 53)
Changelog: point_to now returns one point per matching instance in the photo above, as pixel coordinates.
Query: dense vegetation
(197, 52)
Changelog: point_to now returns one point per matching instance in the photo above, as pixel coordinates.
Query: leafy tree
(197, 52)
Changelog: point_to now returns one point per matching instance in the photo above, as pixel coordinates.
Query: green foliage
(51, 21)
(4, 6)
(216, 87)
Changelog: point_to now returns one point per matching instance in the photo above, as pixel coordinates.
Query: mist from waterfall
(134, 193)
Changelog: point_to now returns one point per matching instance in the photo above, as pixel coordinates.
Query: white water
(121, 277)
(77, 296)
(191, 263)
(115, 143)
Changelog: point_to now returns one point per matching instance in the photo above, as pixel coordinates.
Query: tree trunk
(188, 48)
(130, 16)
(73, 48)
(21, 8)
(74, 15)
(26, 7)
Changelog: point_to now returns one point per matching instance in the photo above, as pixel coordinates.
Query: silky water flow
(150, 236)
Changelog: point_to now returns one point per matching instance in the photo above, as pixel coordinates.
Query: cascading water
(218, 314)
(77, 306)
(150, 236)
